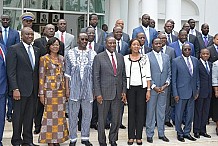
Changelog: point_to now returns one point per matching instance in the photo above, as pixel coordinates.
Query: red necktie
(114, 65)
(62, 37)
(90, 46)
(1, 54)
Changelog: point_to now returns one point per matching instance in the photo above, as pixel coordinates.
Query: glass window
(12, 3)
(15, 18)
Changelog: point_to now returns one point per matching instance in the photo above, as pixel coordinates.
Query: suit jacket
(101, 35)
(147, 49)
(106, 83)
(152, 34)
(193, 39)
(184, 84)
(19, 70)
(3, 74)
(201, 42)
(170, 52)
(98, 48)
(13, 38)
(68, 43)
(213, 53)
(173, 37)
(124, 49)
(177, 49)
(41, 44)
(205, 80)
(159, 77)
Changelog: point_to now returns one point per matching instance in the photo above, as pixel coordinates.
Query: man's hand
(16, 95)
(123, 95)
(176, 99)
(162, 88)
(99, 99)
(42, 99)
(148, 95)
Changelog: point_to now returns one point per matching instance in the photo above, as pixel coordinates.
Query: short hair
(190, 20)
(90, 16)
(50, 42)
(203, 25)
(103, 25)
(87, 29)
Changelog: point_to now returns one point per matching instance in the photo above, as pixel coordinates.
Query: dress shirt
(92, 44)
(180, 45)
(203, 62)
(159, 59)
(3, 31)
(216, 47)
(190, 60)
(164, 49)
(147, 34)
(96, 34)
(114, 55)
(142, 50)
(60, 33)
(192, 31)
(120, 44)
(136, 79)
(31, 50)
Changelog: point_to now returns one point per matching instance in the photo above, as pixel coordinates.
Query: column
(150, 7)
(114, 13)
(173, 11)
(1, 8)
(124, 13)
(133, 16)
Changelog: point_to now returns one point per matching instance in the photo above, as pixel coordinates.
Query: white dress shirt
(60, 33)
(186, 61)
(147, 34)
(31, 50)
(115, 58)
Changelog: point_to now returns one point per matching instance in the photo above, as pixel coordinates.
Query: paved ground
(170, 133)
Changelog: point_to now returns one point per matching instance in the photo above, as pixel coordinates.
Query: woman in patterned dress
(52, 95)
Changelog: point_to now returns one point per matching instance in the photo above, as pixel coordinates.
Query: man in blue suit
(149, 32)
(9, 37)
(156, 106)
(185, 85)
(3, 88)
(177, 45)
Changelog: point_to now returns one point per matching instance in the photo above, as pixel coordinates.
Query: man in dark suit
(149, 32)
(144, 49)
(3, 88)
(9, 37)
(125, 36)
(170, 102)
(192, 39)
(110, 88)
(214, 49)
(193, 31)
(205, 40)
(41, 44)
(168, 28)
(177, 45)
(202, 104)
(22, 71)
(99, 34)
(185, 85)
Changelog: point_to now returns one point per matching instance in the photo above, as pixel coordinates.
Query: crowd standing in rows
(162, 76)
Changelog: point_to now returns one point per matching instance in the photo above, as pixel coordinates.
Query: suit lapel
(184, 63)
(44, 42)
(24, 52)
(155, 60)
(36, 53)
(107, 59)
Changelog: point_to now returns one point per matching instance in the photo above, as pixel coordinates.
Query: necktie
(5, 36)
(192, 31)
(162, 50)
(118, 46)
(160, 62)
(30, 56)
(205, 41)
(141, 50)
(62, 37)
(189, 66)
(206, 66)
(217, 49)
(169, 40)
(90, 45)
(114, 65)
(1, 54)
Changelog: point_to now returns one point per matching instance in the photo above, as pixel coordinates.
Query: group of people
(161, 76)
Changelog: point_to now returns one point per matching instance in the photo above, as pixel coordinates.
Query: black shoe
(66, 115)
(168, 124)
(139, 142)
(72, 144)
(36, 131)
(87, 143)
(107, 127)
(205, 135)
(189, 137)
(122, 126)
(79, 127)
(216, 131)
(130, 142)
(113, 143)
(197, 135)
(29, 144)
(164, 138)
(150, 139)
(103, 144)
(9, 119)
(180, 138)
(94, 126)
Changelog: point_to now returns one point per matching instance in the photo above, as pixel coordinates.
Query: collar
(145, 28)
(26, 45)
(203, 61)
(216, 47)
(109, 53)
(46, 39)
(61, 32)
(155, 53)
(204, 36)
(3, 29)
(180, 43)
(185, 58)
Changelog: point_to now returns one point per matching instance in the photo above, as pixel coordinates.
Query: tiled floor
(170, 133)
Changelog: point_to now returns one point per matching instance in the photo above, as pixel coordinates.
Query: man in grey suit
(193, 31)
(99, 34)
(170, 101)
(64, 37)
(185, 85)
(160, 74)
(110, 88)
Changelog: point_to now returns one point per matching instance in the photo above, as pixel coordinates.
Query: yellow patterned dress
(52, 85)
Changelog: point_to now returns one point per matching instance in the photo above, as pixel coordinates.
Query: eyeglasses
(83, 39)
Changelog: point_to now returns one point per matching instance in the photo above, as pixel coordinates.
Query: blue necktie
(5, 37)
(206, 66)
(30, 57)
